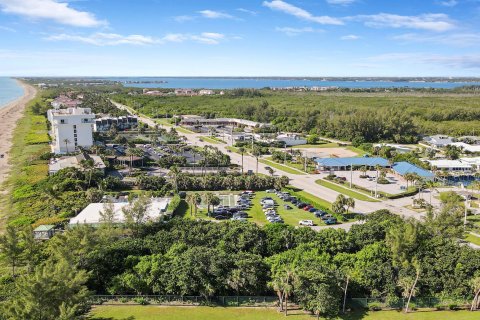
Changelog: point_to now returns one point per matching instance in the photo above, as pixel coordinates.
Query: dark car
(319, 213)
(331, 221)
(301, 205)
(312, 209)
(241, 214)
(287, 207)
(221, 217)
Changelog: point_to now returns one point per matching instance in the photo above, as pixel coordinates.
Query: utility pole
(305, 161)
(351, 175)
(376, 184)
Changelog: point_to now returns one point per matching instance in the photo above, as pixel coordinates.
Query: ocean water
(9, 91)
(257, 83)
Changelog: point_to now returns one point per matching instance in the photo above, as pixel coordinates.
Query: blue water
(231, 83)
(9, 91)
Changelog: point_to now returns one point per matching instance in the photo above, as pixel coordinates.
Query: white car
(308, 223)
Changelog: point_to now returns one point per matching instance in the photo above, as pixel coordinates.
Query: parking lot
(395, 186)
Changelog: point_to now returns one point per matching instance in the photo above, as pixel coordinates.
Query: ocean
(9, 91)
(257, 83)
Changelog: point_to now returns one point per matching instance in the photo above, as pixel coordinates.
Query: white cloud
(341, 2)
(296, 31)
(59, 12)
(449, 3)
(300, 13)
(184, 18)
(253, 13)
(350, 37)
(211, 14)
(105, 39)
(456, 39)
(113, 39)
(430, 21)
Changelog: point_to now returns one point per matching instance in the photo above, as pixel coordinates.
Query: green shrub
(374, 306)
(142, 301)
(453, 306)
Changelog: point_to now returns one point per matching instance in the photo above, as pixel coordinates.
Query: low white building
(460, 166)
(56, 165)
(291, 139)
(92, 213)
(71, 128)
(122, 123)
(467, 147)
(439, 141)
(206, 92)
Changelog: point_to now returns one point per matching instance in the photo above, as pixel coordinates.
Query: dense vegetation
(364, 117)
(379, 258)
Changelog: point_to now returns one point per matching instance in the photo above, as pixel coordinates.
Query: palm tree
(242, 151)
(207, 197)
(88, 166)
(173, 173)
(66, 141)
(190, 198)
(197, 200)
(350, 203)
(256, 152)
(215, 201)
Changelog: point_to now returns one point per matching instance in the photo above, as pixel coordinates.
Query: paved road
(305, 182)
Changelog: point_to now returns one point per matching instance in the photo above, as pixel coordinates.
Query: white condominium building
(71, 128)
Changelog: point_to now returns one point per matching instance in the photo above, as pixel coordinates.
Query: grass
(221, 313)
(348, 192)
(30, 139)
(183, 130)
(164, 122)
(209, 139)
(473, 239)
(293, 165)
(281, 167)
(233, 149)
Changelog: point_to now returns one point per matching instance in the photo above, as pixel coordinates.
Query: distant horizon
(239, 77)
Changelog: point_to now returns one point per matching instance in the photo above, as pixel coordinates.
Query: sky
(310, 38)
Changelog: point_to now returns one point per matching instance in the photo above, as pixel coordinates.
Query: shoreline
(9, 116)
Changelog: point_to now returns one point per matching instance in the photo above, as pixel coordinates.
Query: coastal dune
(9, 115)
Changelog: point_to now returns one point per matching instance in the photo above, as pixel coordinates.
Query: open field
(473, 239)
(329, 152)
(278, 166)
(346, 191)
(220, 313)
(183, 130)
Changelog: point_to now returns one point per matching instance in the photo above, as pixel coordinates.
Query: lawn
(348, 192)
(358, 151)
(183, 130)
(473, 239)
(281, 167)
(221, 313)
(211, 140)
(293, 165)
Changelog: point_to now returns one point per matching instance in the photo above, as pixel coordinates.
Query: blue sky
(240, 38)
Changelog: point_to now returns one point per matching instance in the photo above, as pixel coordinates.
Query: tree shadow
(110, 318)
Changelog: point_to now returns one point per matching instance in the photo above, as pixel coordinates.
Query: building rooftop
(354, 161)
(44, 227)
(404, 168)
(444, 163)
(74, 161)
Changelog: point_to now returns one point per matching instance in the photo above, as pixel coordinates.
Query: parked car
(306, 223)
(307, 207)
(239, 219)
(312, 209)
(331, 221)
(220, 217)
(319, 213)
(301, 205)
(270, 191)
(287, 207)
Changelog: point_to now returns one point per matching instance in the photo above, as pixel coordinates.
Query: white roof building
(92, 213)
(467, 147)
(291, 139)
(439, 141)
(451, 165)
(75, 161)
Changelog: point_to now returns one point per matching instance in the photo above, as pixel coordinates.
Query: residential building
(71, 128)
(206, 92)
(184, 92)
(92, 213)
(65, 101)
(466, 147)
(291, 139)
(398, 148)
(339, 164)
(121, 123)
(44, 232)
(189, 120)
(439, 141)
(75, 162)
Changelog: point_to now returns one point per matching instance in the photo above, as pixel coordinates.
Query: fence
(177, 300)
(419, 302)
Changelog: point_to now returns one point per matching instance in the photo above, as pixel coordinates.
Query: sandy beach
(9, 115)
